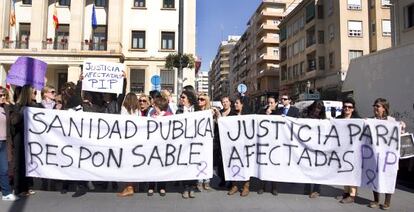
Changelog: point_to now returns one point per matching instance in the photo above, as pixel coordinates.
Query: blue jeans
(4, 175)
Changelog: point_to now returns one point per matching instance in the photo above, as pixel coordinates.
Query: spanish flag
(12, 13)
(55, 18)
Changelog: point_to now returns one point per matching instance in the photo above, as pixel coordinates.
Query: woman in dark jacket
(240, 108)
(26, 98)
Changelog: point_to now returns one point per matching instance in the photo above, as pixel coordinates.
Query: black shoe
(63, 191)
(274, 192)
(80, 192)
(260, 191)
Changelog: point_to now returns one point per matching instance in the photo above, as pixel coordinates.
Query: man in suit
(287, 109)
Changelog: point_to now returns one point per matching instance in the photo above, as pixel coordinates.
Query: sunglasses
(283, 99)
(201, 99)
(347, 106)
(376, 106)
(52, 91)
(142, 100)
(2, 95)
(182, 97)
(34, 92)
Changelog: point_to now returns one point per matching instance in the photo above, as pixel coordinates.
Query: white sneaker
(10, 197)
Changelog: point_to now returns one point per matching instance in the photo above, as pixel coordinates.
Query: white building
(202, 85)
(138, 33)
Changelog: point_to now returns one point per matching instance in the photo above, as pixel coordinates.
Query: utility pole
(180, 48)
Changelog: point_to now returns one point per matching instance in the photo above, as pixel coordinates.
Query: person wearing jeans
(6, 190)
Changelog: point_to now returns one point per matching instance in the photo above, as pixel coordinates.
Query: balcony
(264, 15)
(267, 41)
(267, 28)
(50, 45)
(89, 45)
(8, 44)
(267, 58)
(268, 72)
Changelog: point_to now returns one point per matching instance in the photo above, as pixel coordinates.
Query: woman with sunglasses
(240, 108)
(188, 104)
(5, 146)
(204, 104)
(48, 97)
(26, 98)
(348, 112)
(144, 105)
(381, 109)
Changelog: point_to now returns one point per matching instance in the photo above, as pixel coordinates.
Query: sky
(217, 19)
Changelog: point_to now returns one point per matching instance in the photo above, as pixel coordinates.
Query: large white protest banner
(104, 77)
(357, 152)
(103, 147)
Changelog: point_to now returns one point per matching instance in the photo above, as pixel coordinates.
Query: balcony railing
(62, 45)
(8, 44)
(94, 46)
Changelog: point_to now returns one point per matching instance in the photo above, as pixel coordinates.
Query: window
(24, 35)
(100, 3)
(139, 3)
(283, 53)
(310, 12)
(168, 40)
(310, 37)
(320, 11)
(386, 28)
(282, 34)
(167, 80)
(355, 28)
(372, 3)
(168, 4)
(321, 61)
(373, 28)
(354, 4)
(321, 37)
(283, 73)
(409, 16)
(331, 60)
(138, 40)
(385, 3)
(27, 2)
(64, 2)
(330, 7)
(137, 80)
(331, 29)
(62, 36)
(99, 38)
(354, 54)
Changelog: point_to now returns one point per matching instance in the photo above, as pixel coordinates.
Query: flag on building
(94, 22)
(13, 13)
(55, 18)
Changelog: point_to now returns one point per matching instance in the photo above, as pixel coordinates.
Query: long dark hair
(355, 113)
(25, 96)
(317, 104)
(244, 101)
(385, 104)
(131, 102)
(192, 99)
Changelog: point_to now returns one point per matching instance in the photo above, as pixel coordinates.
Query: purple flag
(27, 71)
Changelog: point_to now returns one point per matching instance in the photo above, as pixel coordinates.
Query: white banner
(357, 152)
(103, 147)
(104, 77)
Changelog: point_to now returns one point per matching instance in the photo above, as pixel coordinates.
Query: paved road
(290, 198)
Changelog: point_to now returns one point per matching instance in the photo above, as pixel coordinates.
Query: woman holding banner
(48, 97)
(348, 112)
(27, 98)
(144, 104)
(129, 107)
(240, 108)
(314, 111)
(160, 105)
(188, 104)
(381, 109)
(5, 146)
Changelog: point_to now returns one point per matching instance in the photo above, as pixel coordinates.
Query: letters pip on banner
(103, 77)
(356, 152)
(72, 145)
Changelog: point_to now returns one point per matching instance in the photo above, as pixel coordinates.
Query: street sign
(242, 88)
(155, 80)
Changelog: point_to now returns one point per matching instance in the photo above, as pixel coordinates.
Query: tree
(173, 61)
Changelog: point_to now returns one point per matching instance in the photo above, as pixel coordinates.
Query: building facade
(137, 33)
(402, 22)
(202, 83)
(320, 38)
(255, 57)
(220, 69)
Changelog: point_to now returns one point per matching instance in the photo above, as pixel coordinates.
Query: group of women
(154, 105)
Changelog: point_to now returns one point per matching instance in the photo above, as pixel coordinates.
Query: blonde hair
(47, 89)
(207, 100)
